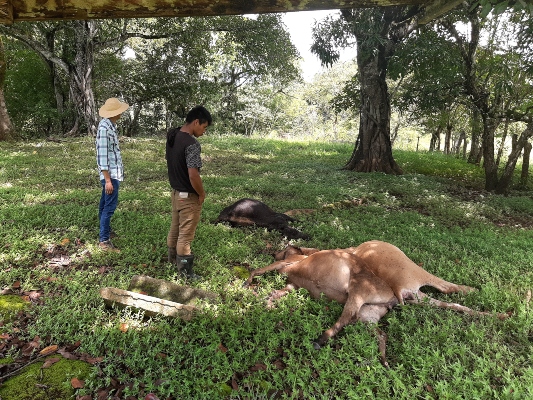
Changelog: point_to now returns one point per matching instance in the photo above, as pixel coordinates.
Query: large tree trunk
(373, 148)
(82, 74)
(6, 128)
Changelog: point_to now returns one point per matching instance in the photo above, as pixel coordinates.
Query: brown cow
(369, 279)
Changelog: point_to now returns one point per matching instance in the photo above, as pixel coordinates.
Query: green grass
(437, 213)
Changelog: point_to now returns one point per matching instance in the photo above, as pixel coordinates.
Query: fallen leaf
(151, 396)
(48, 350)
(49, 362)
(124, 327)
(73, 346)
(66, 354)
(279, 364)
(65, 241)
(94, 360)
(103, 394)
(76, 383)
(258, 367)
(16, 285)
(222, 348)
(86, 397)
(234, 384)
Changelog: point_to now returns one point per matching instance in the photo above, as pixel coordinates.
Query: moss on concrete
(36, 383)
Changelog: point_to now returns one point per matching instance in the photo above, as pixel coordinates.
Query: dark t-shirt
(182, 152)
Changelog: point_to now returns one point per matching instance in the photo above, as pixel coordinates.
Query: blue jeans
(108, 204)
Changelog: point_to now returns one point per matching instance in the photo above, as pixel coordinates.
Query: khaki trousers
(185, 218)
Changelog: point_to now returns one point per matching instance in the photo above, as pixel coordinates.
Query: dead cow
(248, 212)
(352, 277)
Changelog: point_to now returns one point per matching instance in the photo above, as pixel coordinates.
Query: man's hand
(108, 187)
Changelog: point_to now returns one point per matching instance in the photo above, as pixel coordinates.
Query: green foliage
(437, 213)
(29, 91)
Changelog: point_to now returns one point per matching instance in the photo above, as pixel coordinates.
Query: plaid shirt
(108, 156)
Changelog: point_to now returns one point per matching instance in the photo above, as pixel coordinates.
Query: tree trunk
(434, 144)
(6, 128)
(524, 176)
(458, 143)
(502, 143)
(489, 162)
(82, 73)
(373, 148)
(448, 139)
(503, 184)
(474, 157)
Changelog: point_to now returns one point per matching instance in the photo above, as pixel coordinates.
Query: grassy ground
(436, 213)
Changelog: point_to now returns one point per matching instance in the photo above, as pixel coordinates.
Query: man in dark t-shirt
(184, 163)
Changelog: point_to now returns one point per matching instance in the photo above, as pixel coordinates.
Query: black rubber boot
(172, 254)
(185, 264)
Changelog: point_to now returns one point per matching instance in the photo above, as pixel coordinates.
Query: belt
(184, 194)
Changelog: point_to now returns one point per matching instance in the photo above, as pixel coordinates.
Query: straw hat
(112, 108)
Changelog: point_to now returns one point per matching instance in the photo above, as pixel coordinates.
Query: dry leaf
(48, 350)
(124, 327)
(76, 383)
(67, 355)
(234, 384)
(16, 285)
(222, 348)
(258, 367)
(94, 360)
(65, 241)
(49, 362)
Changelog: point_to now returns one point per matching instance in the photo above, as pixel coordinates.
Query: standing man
(110, 166)
(184, 164)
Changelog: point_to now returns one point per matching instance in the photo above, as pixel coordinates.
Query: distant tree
(377, 33)
(6, 129)
(496, 81)
(29, 92)
(189, 61)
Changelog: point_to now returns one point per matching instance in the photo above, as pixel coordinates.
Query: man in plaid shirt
(110, 166)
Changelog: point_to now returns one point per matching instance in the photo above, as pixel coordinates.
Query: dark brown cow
(249, 212)
(369, 279)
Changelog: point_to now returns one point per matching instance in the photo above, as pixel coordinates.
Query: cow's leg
(349, 313)
(449, 287)
(275, 266)
(422, 298)
(260, 271)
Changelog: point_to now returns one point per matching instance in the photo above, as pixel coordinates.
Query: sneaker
(108, 246)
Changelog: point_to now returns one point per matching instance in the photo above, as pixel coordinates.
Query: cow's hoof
(316, 346)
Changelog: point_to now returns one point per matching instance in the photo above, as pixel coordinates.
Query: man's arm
(197, 184)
